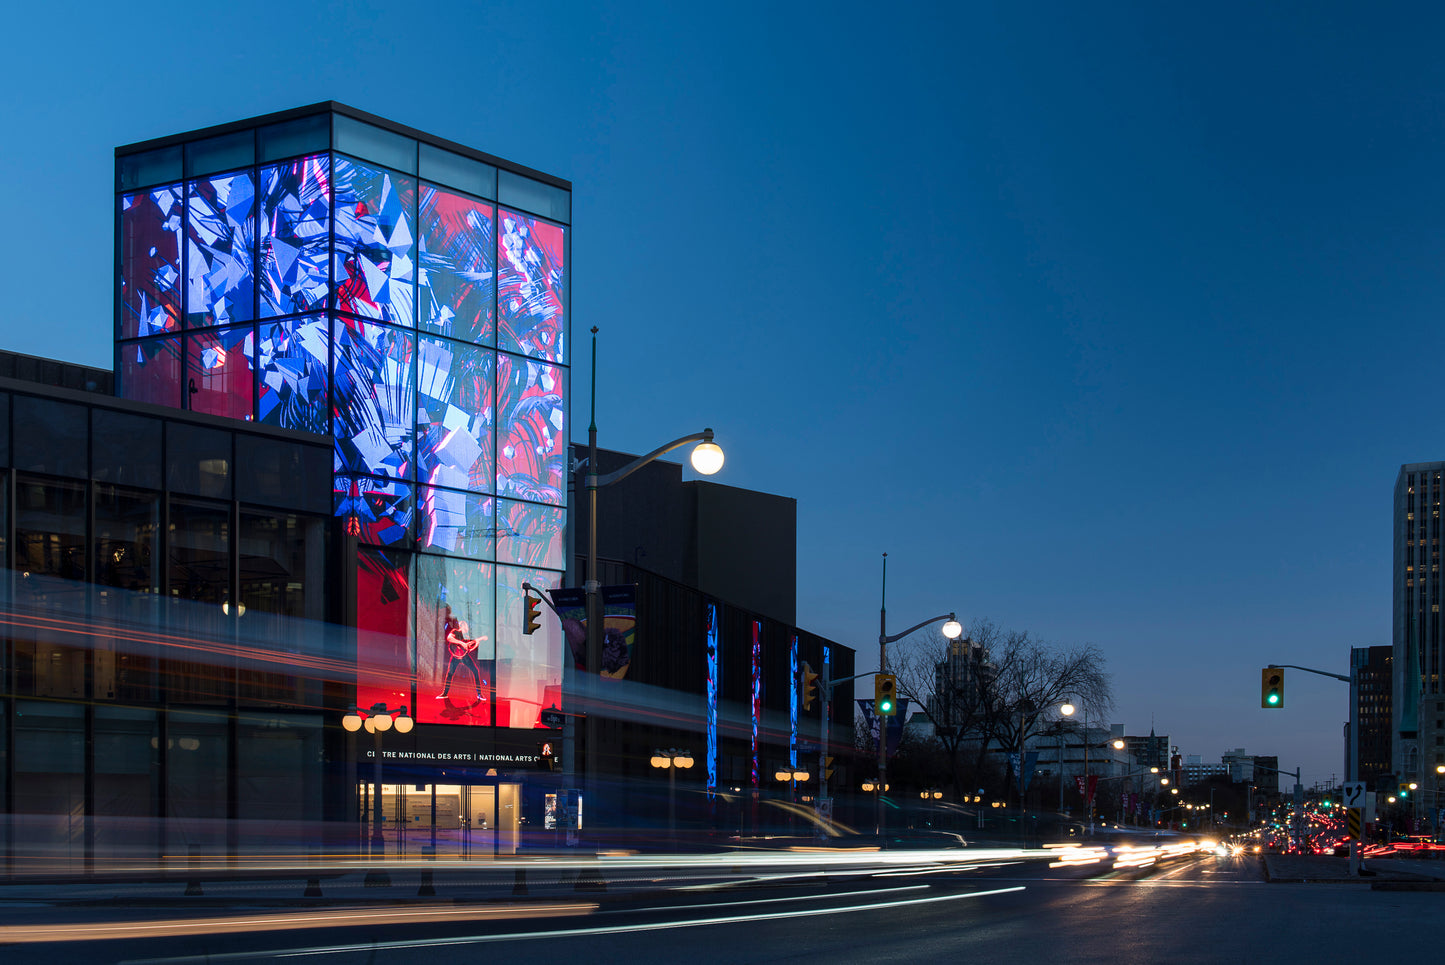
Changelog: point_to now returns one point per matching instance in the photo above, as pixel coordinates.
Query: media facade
(327, 271)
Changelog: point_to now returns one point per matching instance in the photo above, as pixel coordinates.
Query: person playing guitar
(461, 652)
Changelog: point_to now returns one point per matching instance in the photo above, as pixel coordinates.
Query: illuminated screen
(376, 511)
(757, 696)
(458, 260)
(457, 523)
(375, 256)
(529, 668)
(219, 376)
(150, 261)
(221, 250)
(454, 682)
(292, 362)
(793, 703)
(295, 233)
(713, 680)
(531, 287)
(455, 398)
(383, 629)
(373, 398)
(531, 431)
(531, 534)
(150, 371)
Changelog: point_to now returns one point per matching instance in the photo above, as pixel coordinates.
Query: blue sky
(1111, 324)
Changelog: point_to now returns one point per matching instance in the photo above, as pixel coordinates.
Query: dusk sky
(1098, 319)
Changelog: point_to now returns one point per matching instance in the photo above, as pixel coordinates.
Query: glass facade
(330, 275)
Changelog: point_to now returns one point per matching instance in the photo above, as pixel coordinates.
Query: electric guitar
(460, 650)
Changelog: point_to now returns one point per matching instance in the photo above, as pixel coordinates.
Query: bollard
(313, 888)
(426, 890)
(519, 881)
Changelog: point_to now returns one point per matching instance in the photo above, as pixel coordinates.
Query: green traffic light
(1274, 698)
(885, 705)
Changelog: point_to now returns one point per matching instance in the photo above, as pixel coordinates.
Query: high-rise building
(326, 270)
(1373, 668)
(1418, 703)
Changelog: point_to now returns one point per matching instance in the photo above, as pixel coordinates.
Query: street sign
(1353, 794)
(1353, 822)
(553, 718)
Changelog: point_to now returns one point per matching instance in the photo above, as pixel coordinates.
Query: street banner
(619, 626)
(1026, 773)
(895, 725)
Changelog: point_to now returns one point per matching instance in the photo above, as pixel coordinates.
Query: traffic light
(1404, 791)
(808, 685)
(1271, 688)
(533, 615)
(885, 695)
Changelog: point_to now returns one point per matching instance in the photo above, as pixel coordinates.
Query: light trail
(372, 947)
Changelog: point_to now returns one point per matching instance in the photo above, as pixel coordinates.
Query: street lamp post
(377, 720)
(672, 760)
(707, 458)
(952, 629)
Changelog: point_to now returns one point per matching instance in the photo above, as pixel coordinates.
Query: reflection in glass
(530, 534)
(127, 574)
(219, 377)
(457, 523)
(150, 371)
(529, 667)
(383, 628)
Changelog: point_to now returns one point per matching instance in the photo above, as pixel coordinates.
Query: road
(1202, 909)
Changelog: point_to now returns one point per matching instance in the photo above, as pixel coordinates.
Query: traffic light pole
(1352, 762)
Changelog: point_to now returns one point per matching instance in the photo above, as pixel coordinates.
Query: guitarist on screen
(461, 652)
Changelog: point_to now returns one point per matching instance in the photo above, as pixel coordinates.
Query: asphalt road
(1192, 910)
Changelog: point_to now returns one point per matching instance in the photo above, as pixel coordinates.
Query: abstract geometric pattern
(531, 431)
(150, 371)
(383, 629)
(373, 398)
(531, 286)
(375, 254)
(468, 589)
(375, 511)
(461, 524)
(455, 415)
(150, 261)
(529, 667)
(530, 534)
(293, 362)
(458, 266)
(220, 379)
(221, 250)
(295, 229)
(713, 681)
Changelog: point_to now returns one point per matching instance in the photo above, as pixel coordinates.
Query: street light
(671, 760)
(707, 459)
(952, 629)
(378, 719)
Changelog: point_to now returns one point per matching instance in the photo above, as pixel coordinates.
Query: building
(342, 368)
(1196, 771)
(1151, 751)
(1373, 669)
(1418, 702)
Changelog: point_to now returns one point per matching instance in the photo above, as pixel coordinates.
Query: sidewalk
(1391, 873)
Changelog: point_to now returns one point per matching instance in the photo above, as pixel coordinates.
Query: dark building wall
(734, 544)
(1374, 672)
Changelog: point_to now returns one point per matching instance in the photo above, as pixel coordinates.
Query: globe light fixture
(707, 458)
(1067, 709)
(952, 629)
(351, 722)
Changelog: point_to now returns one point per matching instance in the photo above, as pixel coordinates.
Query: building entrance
(452, 820)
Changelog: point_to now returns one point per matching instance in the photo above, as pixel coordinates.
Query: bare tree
(994, 688)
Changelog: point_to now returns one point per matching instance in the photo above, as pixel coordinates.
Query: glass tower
(325, 270)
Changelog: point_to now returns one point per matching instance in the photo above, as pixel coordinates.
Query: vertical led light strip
(757, 696)
(793, 703)
(712, 686)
